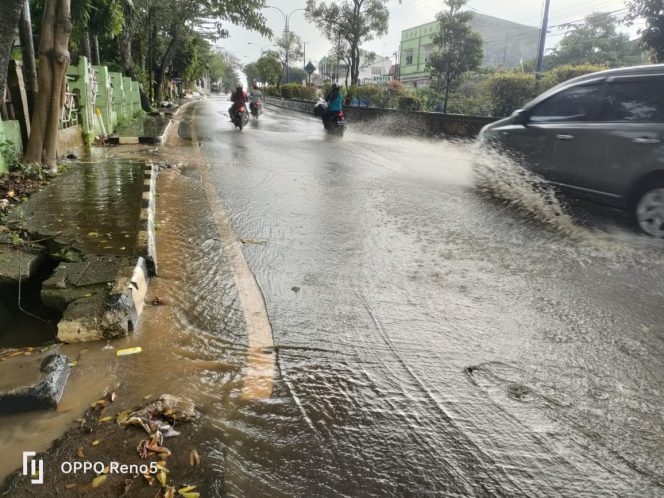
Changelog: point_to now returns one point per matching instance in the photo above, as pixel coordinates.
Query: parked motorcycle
(334, 123)
(241, 117)
(256, 108)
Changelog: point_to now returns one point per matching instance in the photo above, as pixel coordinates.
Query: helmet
(239, 88)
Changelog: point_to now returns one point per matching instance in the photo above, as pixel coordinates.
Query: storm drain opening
(25, 320)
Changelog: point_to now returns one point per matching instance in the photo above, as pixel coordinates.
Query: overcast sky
(408, 14)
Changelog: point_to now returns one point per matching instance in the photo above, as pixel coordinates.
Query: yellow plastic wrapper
(128, 351)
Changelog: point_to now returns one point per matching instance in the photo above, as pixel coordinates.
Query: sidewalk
(93, 227)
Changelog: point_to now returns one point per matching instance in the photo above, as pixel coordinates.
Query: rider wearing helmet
(256, 96)
(238, 97)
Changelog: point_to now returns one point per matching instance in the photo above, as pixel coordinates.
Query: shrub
(373, 93)
(564, 73)
(297, 91)
(271, 91)
(409, 104)
(509, 91)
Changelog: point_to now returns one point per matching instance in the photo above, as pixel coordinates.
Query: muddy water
(428, 340)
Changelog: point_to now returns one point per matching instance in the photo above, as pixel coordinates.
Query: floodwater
(430, 337)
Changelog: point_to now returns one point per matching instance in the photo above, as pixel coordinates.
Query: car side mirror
(520, 116)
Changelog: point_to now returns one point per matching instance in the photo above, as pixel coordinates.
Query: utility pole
(286, 30)
(542, 43)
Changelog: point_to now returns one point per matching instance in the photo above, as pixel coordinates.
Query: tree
(269, 68)
(457, 48)
(652, 36)
(289, 50)
(351, 21)
(595, 41)
(251, 72)
(53, 63)
(10, 12)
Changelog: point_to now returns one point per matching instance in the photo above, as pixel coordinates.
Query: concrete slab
(109, 313)
(79, 280)
(15, 264)
(33, 382)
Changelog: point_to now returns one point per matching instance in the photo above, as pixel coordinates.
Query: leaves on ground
(97, 481)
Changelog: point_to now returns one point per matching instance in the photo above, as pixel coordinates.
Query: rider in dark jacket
(238, 97)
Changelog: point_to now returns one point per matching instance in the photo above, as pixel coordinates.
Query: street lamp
(286, 30)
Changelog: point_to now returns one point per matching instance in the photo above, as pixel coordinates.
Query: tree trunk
(87, 47)
(53, 62)
(447, 95)
(96, 60)
(10, 12)
(28, 54)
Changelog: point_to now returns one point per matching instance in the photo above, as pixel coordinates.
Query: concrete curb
(146, 235)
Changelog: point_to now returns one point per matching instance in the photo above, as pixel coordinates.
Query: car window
(636, 101)
(574, 104)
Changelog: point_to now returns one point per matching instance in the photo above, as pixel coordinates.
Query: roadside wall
(400, 122)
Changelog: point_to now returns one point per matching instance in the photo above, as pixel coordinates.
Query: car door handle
(646, 141)
(565, 137)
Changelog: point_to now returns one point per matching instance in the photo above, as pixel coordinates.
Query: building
(372, 70)
(506, 45)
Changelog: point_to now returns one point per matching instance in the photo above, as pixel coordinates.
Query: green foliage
(458, 49)
(297, 91)
(10, 155)
(509, 91)
(652, 36)
(564, 73)
(272, 91)
(596, 41)
(269, 68)
(409, 104)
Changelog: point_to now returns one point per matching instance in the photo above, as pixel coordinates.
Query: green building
(506, 44)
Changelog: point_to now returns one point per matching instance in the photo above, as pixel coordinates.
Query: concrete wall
(390, 121)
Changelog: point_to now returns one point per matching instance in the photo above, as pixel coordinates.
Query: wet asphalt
(432, 341)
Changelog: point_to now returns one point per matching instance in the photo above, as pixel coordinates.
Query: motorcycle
(241, 117)
(256, 108)
(334, 123)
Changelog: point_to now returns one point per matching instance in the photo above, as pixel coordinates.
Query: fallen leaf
(162, 477)
(187, 489)
(194, 458)
(191, 495)
(112, 397)
(96, 442)
(97, 481)
(79, 452)
(121, 418)
(106, 419)
(169, 492)
(93, 234)
(71, 485)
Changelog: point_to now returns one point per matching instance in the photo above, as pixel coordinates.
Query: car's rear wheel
(649, 210)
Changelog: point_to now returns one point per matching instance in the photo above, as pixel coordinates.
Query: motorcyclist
(238, 97)
(255, 95)
(334, 99)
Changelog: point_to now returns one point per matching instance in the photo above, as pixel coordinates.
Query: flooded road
(420, 339)
(431, 341)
